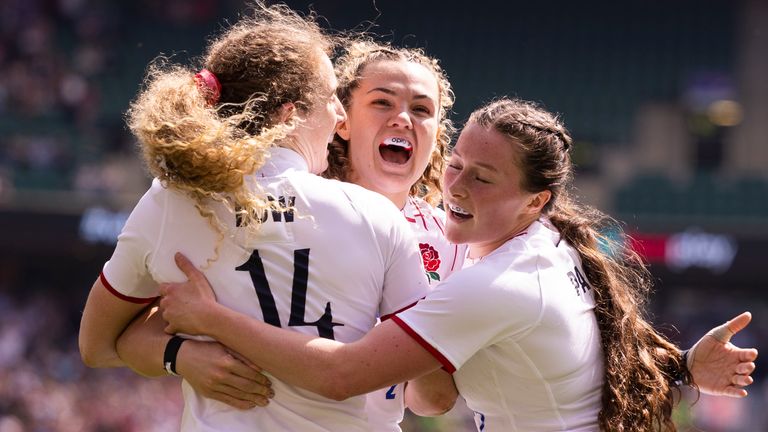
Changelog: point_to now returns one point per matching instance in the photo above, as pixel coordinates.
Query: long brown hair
(204, 148)
(349, 69)
(640, 364)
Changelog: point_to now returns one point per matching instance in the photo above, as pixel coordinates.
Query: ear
(538, 201)
(342, 129)
(286, 112)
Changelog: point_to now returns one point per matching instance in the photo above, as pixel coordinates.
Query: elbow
(431, 403)
(438, 407)
(91, 356)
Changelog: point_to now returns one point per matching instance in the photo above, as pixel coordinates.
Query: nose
(401, 119)
(455, 185)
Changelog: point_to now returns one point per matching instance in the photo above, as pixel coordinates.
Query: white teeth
(399, 142)
(457, 209)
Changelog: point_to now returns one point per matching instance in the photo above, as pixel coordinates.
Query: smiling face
(484, 199)
(392, 123)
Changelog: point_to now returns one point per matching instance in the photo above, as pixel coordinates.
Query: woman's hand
(217, 373)
(718, 367)
(186, 305)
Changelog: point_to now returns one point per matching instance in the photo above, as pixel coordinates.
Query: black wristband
(169, 356)
(683, 375)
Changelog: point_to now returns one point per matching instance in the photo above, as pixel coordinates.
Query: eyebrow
(394, 93)
(480, 164)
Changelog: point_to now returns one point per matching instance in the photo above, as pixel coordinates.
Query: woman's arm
(142, 344)
(433, 394)
(385, 356)
(104, 318)
(212, 370)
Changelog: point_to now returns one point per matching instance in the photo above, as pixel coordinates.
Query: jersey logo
(431, 260)
(284, 210)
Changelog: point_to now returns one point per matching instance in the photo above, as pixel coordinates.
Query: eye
(381, 102)
(482, 180)
(422, 109)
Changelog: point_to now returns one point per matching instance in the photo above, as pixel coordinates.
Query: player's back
(333, 260)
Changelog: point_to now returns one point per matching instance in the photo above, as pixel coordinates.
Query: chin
(453, 236)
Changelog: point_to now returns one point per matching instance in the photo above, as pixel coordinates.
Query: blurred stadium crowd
(668, 100)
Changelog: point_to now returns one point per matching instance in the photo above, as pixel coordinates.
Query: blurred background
(667, 101)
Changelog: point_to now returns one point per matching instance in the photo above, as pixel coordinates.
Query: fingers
(242, 358)
(721, 333)
(737, 324)
(186, 266)
(244, 389)
(250, 374)
(745, 368)
(747, 354)
(742, 380)
(239, 403)
(724, 333)
(247, 379)
(735, 392)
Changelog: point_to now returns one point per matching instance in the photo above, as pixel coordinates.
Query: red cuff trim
(447, 365)
(121, 296)
(390, 315)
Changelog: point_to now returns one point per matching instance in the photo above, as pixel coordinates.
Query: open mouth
(459, 212)
(396, 150)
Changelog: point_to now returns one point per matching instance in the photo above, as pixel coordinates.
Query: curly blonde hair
(350, 67)
(640, 364)
(262, 62)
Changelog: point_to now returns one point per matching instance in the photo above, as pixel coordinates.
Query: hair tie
(209, 85)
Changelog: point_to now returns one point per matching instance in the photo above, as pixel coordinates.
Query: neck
(398, 198)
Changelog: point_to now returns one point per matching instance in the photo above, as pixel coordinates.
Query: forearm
(295, 358)
(432, 394)
(324, 366)
(142, 344)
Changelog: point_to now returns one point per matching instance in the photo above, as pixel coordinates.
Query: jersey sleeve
(472, 310)
(126, 274)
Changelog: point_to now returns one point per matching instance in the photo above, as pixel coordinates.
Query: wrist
(210, 318)
(170, 355)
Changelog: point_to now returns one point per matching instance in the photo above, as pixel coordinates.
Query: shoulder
(513, 270)
(160, 194)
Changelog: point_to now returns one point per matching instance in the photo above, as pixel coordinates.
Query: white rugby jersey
(520, 335)
(440, 258)
(341, 258)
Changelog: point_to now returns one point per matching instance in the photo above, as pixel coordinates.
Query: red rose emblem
(429, 257)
